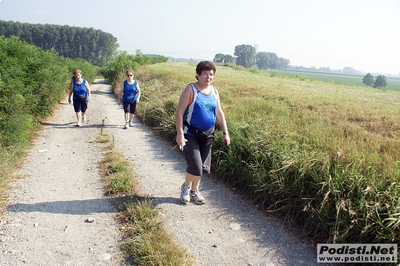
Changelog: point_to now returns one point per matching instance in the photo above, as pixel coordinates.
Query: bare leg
(83, 117)
(78, 116)
(194, 189)
(193, 181)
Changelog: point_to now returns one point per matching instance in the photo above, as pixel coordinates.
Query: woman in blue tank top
(198, 108)
(129, 95)
(79, 87)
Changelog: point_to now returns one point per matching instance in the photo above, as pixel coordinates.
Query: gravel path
(47, 219)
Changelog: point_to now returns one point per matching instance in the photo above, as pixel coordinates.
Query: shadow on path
(76, 207)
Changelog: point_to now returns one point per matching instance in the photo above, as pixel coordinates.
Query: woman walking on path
(130, 96)
(198, 108)
(80, 88)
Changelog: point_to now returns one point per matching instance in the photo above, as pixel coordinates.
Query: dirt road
(46, 222)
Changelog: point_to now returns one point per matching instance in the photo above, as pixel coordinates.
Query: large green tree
(266, 60)
(273, 61)
(228, 59)
(223, 58)
(380, 82)
(282, 63)
(246, 55)
(368, 80)
(263, 60)
(218, 58)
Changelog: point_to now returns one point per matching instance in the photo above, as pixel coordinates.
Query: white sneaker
(131, 124)
(126, 125)
(84, 119)
(79, 124)
(185, 190)
(197, 197)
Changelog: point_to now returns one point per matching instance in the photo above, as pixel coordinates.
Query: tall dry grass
(323, 155)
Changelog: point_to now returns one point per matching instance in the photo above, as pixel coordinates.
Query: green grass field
(324, 155)
(393, 83)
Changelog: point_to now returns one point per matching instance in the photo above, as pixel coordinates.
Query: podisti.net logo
(357, 253)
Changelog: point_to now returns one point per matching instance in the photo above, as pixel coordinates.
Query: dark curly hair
(205, 65)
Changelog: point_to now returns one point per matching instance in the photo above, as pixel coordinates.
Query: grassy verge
(9, 160)
(146, 241)
(323, 155)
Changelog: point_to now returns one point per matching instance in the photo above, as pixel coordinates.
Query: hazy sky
(363, 34)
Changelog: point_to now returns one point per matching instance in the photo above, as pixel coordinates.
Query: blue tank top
(130, 92)
(201, 113)
(80, 90)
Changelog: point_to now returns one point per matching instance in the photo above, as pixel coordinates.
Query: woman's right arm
(71, 89)
(180, 110)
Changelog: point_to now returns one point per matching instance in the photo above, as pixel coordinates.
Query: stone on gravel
(105, 257)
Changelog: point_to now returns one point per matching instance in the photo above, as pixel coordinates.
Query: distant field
(393, 83)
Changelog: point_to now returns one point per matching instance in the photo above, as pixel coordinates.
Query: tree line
(94, 46)
(247, 56)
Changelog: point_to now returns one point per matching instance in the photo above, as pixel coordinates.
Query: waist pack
(203, 136)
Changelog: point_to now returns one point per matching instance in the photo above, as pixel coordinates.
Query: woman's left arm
(222, 121)
(138, 90)
(88, 89)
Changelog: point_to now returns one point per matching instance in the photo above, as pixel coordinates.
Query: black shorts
(80, 105)
(129, 107)
(198, 157)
